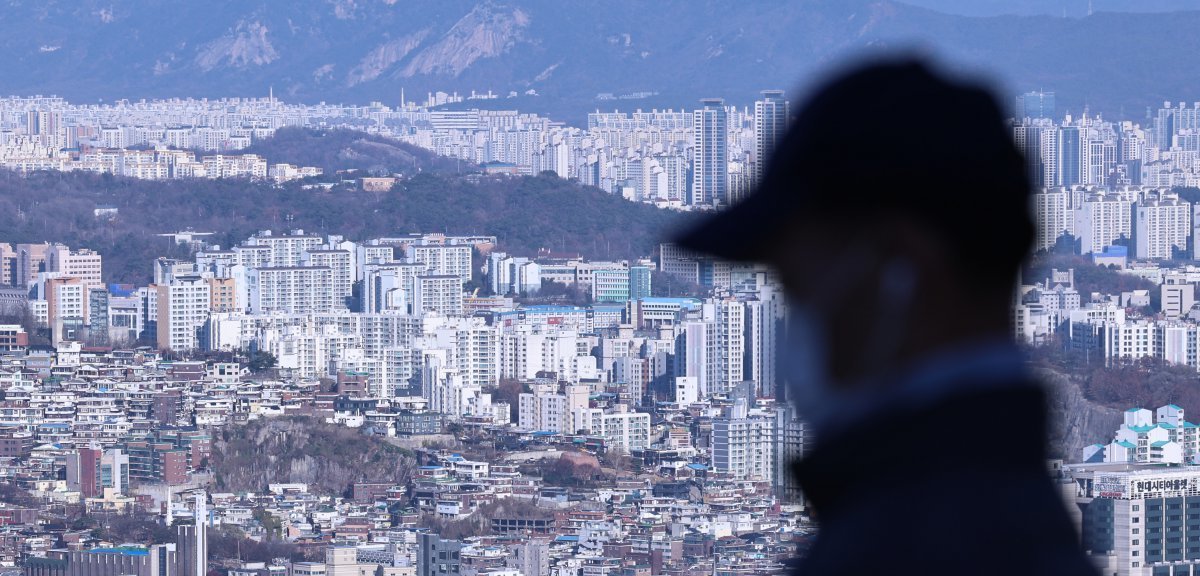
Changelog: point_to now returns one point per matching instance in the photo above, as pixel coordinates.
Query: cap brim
(743, 232)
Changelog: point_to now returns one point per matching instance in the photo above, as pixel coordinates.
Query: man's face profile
(859, 275)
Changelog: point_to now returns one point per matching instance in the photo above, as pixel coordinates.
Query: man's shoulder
(963, 519)
(959, 479)
(982, 432)
(1013, 413)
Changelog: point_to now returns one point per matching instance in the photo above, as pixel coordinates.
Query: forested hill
(343, 149)
(525, 214)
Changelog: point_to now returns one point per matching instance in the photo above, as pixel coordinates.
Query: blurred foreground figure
(896, 211)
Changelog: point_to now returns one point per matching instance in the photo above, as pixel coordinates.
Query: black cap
(888, 136)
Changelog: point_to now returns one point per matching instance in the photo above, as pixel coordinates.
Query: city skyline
(439, 293)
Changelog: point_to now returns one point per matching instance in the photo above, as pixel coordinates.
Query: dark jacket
(959, 487)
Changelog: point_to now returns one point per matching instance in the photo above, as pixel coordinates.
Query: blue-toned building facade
(1139, 519)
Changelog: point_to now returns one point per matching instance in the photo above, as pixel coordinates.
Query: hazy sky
(1055, 7)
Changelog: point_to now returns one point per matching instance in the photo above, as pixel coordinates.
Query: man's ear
(910, 238)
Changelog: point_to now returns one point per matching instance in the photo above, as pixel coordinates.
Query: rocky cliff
(296, 449)
(1075, 421)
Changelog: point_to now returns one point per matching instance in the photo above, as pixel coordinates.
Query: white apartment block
(687, 390)
(441, 294)
(763, 321)
(543, 412)
(472, 347)
(1032, 323)
(525, 352)
(1101, 219)
(725, 343)
(442, 260)
(292, 290)
(356, 360)
(308, 350)
(254, 256)
(1131, 340)
(340, 263)
(790, 440)
(1160, 437)
(633, 376)
(1098, 314)
(371, 254)
(626, 431)
(286, 250)
(388, 288)
(743, 444)
(389, 337)
(83, 264)
(217, 261)
(183, 308)
(237, 166)
(691, 355)
(66, 301)
(1161, 225)
(1177, 296)
(443, 388)
(585, 272)
(1177, 343)
(518, 275)
(1170, 341)
(545, 409)
(377, 332)
(1054, 213)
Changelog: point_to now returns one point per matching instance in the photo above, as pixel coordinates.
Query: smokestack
(201, 531)
(170, 516)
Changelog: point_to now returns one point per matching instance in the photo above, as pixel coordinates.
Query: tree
(572, 469)
(525, 213)
(268, 521)
(22, 315)
(13, 494)
(509, 391)
(1065, 245)
(1089, 278)
(559, 292)
(229, 542)
(262, 362)
(669, 285)
(617, 459)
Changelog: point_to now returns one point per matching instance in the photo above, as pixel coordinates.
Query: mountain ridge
(568, 52)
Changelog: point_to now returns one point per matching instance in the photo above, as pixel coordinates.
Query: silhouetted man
(896, 211)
